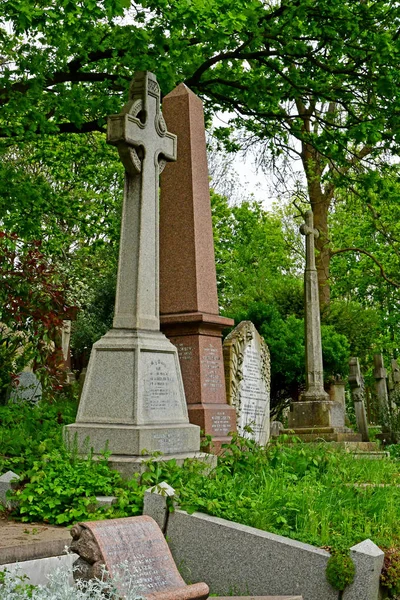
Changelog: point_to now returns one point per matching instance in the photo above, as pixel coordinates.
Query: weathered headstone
(139, 543)
(395, 372)
(8, 481)
(133, 400)
(276, 428)
(356, 382)
(26, 387)
(189, 311)
(315, 409)
(248, 378)
(380, 376)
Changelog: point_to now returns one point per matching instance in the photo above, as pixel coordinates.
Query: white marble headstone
(247, 372)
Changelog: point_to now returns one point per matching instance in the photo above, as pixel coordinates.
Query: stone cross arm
(141, 125)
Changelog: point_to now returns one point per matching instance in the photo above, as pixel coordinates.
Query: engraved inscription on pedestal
(160, 388)
(247, 372)
(221, 423)
(185, 352)
(171, 441)
(212, 372)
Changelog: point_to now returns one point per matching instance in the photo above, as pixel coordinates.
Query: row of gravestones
(247, 376)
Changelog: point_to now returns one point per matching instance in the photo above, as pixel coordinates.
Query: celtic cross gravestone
(133, 400)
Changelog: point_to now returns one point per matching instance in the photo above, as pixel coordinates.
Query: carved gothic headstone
(248, 378)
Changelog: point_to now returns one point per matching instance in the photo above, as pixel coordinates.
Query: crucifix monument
(133, 399)
(315, 415)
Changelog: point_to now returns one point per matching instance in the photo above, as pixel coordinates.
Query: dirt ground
(26, 541)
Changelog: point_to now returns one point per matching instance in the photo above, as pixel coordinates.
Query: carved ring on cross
(161, 128)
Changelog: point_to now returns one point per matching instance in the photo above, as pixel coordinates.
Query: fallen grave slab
(138, 545)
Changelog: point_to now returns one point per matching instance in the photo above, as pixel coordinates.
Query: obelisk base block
(217, 420)
(197, 337)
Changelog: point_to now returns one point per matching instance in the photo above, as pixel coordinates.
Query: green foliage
(284, 335)
(340, 570)
(251, 253)
(32, 308)
(390, 576)
(25, 431)
(61, 489)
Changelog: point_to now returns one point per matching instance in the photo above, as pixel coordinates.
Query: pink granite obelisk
(189, 313)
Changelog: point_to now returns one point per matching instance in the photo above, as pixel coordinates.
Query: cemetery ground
(311, 493)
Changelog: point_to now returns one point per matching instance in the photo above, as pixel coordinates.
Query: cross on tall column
(314, 367)
(141, 136)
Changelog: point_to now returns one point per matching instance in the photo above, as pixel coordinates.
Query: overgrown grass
(313, 493)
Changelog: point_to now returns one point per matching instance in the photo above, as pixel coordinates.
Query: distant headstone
(7, 482)
(395, 371)
(26, 387)
(276, 428)
(356, 382)
(380, 376)
(139, 543)
(248, 377)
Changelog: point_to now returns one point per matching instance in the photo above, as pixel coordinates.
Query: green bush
(340, 570)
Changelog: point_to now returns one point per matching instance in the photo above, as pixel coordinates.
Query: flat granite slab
(27, 541)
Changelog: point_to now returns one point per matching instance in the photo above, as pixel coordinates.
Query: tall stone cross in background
(314, 367)
(133, 399)
(315, 415)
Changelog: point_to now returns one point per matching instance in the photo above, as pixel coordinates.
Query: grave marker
(356, 382)
(315, 415)
(189, 309)
(248, 376)
(133, 399)
(380, 376)
(138, 542)
(26, 387)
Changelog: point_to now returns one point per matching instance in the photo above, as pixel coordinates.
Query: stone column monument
(189, 309)
(133, 400)
(315, 415)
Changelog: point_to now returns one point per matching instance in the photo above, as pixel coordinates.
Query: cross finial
(308, 230)
(140, 125)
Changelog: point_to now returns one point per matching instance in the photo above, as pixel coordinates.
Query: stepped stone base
(348, 440)
(128, 465)
(321, 413)
(133, 440)
(327, 434)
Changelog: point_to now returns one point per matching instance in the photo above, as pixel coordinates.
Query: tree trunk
(320, 202)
